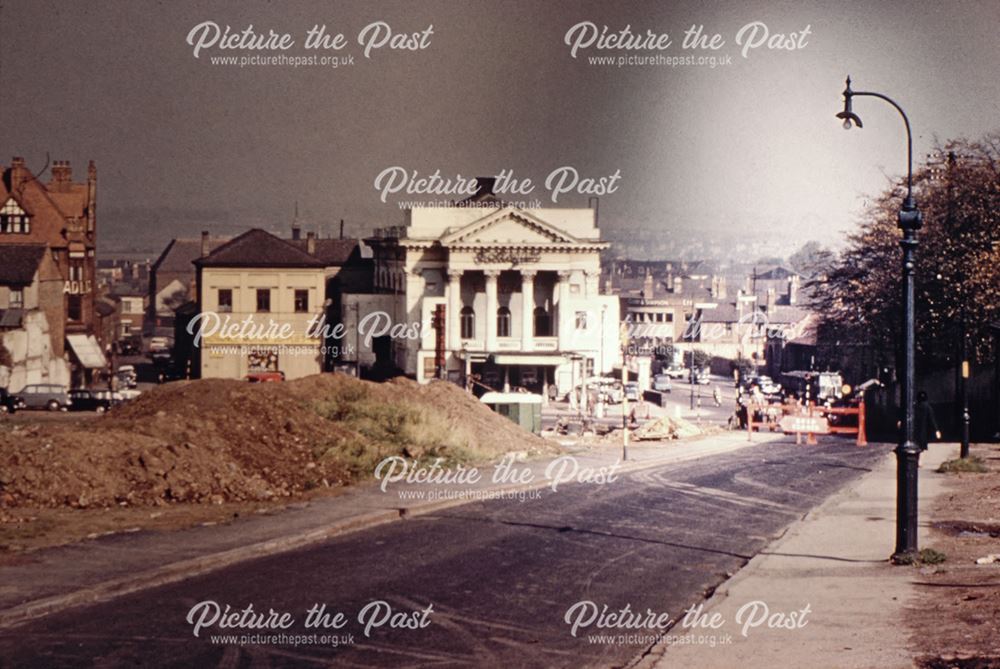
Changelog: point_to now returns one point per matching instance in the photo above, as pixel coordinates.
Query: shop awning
(87, 350)
(528, 359)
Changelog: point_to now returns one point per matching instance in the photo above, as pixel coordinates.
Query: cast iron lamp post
(907, 451)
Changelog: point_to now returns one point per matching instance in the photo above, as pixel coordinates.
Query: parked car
(157, 344)
(700, 377)
(128, 394)
(168, 370)
(661, 382)
(265, 377)
(45, 396)
(611, 391)
(130, 346)
(676, 372)
(632, 393)
(608, 391)
(89, 400)
(9, 402)
(767, 386)
(127, 377)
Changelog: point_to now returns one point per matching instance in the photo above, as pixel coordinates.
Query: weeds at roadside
(925, 556)
(973, 465)
(400, 428)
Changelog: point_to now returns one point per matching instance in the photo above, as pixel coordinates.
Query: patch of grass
(400, 428)
(972, 465)
(931, 556)
(925, 556)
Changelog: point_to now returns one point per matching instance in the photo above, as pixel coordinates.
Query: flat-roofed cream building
(257, 295)
(518, 288)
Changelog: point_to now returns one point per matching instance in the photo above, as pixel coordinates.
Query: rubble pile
(666, 428)
(216, 440)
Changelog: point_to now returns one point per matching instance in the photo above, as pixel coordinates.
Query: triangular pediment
(509, 225)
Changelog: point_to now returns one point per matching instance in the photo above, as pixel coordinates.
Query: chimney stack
(678, 284)
(18, 173)
(771, 300)
(204, 243)
(793, 289)
(721, 288)
(311, 243)
(62, 175)
(341, 228)
(647, 286)
(296, 227)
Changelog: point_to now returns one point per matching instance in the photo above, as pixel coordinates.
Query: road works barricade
(810, 420)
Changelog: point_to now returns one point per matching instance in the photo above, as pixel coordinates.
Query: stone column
(454, 315)
(592, 282)
(491, 308)
(527, 309)
(563, 321)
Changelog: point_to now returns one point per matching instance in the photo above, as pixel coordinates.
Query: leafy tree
(958, 261)
(665, 352)
(811, 259)
(701, 358)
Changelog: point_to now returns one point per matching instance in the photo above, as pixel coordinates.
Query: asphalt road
(499, 575)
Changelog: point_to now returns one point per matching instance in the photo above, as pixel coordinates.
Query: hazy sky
(752, 145)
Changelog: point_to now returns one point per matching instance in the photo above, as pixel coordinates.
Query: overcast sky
(752, 145)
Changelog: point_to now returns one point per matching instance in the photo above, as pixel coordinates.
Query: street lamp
(691, 325)
(963, 351)
(907, 452)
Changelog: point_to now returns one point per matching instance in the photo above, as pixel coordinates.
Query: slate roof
(104, 307)
(332, 251)
(180, 253)
(19, 263)
(258, 248)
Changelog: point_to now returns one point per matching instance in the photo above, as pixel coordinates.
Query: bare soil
(231, 448)
(955, 623)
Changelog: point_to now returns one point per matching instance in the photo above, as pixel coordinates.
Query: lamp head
(848, 114)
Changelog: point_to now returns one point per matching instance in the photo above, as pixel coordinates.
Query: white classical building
(517, 290)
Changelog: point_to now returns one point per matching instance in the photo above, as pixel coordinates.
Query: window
(263, 300)
(543, 324)
(74, 308)
(503, 322)
(581, 320)
(16, 298)
(13, 219)
(468, 323)
(226, 300)
(75, 270)
(301, 301)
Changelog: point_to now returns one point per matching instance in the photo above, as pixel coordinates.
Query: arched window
(543, 324)
(468, 321)
(503, 322)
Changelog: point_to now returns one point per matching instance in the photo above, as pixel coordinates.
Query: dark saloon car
(89, 400)
(9, 402)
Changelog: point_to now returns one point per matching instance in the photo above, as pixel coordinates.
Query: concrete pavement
(833, 565)
(52, 580)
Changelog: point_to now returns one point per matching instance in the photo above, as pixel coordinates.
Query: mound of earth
(218, 440)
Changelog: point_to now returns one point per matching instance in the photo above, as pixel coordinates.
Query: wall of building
(31, 355)
(226, 354)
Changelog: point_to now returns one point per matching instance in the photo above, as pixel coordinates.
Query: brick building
(60, 214)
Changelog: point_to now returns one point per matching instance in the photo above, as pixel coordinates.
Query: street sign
(805, 424)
